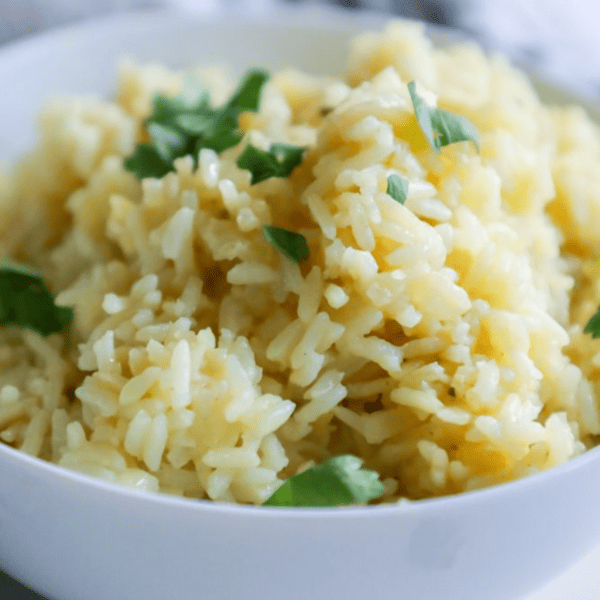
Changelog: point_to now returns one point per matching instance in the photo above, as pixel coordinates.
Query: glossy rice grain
(440, 340)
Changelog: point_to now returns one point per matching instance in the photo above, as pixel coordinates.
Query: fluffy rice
(440, 340)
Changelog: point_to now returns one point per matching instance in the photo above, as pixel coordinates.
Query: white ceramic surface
(73, 538)
(579, 582)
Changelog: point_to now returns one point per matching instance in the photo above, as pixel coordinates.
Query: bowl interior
(84, 60)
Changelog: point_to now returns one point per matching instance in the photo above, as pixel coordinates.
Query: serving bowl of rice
(410, 295)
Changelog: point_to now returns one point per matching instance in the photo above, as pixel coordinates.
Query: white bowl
(72, 537)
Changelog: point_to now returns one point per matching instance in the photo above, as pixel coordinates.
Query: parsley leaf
(168, 141)
(593, 325)
(25, 301)
(292, 244)
(220, 140)
(439, 126)
(193, 123)
(147, 162)
(397, 188)
(338, 481)
(279, 161)
(247, 97)
(183, 126)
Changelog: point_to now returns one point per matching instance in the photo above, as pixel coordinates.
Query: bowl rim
(274, 13)
(42, 469)
(308, 16)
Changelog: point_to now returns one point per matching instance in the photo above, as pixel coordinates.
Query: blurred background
(559, 38)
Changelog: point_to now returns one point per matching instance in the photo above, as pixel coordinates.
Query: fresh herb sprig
(339, 481)
(593, 325)
(183, 126)
(397, 188)
(439, 126)
(292, 244)
(279, 161)
(26, 302)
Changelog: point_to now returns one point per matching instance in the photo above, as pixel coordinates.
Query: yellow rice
(440, 340)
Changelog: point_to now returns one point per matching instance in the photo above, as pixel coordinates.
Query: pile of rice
(440, 340)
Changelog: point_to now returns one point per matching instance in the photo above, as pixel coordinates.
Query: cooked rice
(440, 340)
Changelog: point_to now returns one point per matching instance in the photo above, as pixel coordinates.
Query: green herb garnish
(593, 325)
(397, 188)
(338, 481)
(441, 127)
(279, 161)
(147, 162)
(25, 301)
(183, 126)
(292, 244)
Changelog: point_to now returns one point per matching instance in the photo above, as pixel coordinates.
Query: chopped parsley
(439, 126)
(339, 481)
(183, 126)
(25, 301)
(279, 161)
(292, 244)
(593, 325)
(147, 162)
(397, 188)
